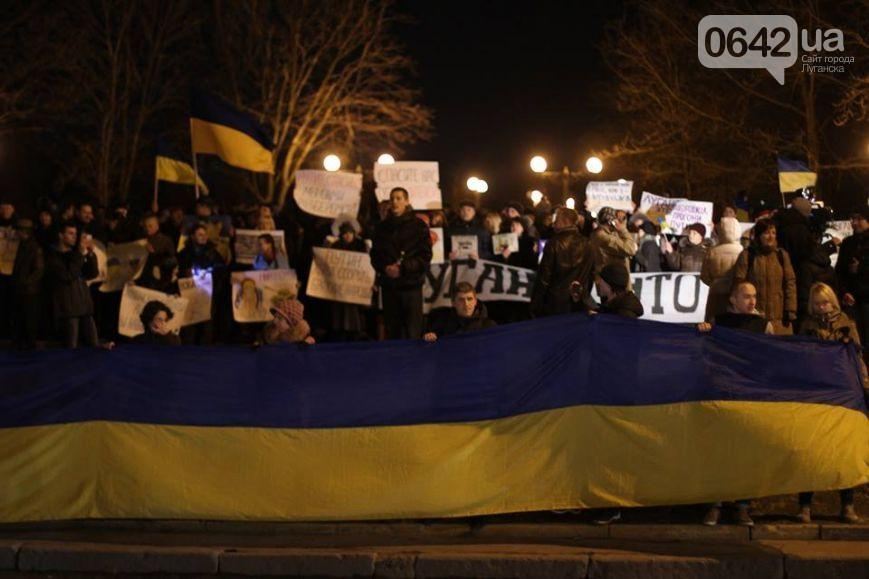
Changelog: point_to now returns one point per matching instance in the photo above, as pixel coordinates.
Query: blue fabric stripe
(506, 371)
(213, 109)
(792, 166)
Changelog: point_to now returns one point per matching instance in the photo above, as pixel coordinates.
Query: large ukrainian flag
(555, 413)
(794, 175)
(216, 128)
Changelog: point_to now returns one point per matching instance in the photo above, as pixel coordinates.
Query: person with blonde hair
(826, 321)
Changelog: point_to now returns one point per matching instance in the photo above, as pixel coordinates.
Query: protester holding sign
(348, 321)
(155, 319)
(467, 223)
(769, 268)
(401, 255)
(690, 252)
(268, 256)
(199, 253)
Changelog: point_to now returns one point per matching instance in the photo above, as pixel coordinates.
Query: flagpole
(195, 167)
(155, 207)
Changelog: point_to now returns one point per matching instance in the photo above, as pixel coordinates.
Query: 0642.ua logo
(768, 41)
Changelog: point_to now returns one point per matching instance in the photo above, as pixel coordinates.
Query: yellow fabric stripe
(791, 181)
(234, 147)
(176, 171)
(584, 456)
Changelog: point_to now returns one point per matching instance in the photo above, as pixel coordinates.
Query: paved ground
(651, 543)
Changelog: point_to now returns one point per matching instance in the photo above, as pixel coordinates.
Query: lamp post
(593, 165)
(332, 163)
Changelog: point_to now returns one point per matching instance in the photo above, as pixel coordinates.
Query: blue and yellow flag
(216, 128)
(794, 175)
(170, 169)
(583, 412)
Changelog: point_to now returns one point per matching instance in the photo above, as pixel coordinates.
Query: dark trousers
(80, 330)
(25, 321)
(846, 496)
(402, 313)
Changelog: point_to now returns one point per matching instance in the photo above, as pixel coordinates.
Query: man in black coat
(852, 268)
(566, 260)
(466, 315)
(26, 285)
(468, 223)
(401, 254)
(69, 265)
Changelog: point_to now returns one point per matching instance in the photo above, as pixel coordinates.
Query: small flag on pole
(171, 169)
(216, 128)
(794, 175)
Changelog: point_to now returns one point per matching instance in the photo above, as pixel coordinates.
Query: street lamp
(482, 186)
(386, 159)
(473, 183)
(570, 203)
(538, 164)
(594, 165)
(332, 163)
(536, 197)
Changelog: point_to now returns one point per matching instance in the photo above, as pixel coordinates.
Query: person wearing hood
(826, 321)
(717, 269)
(768, 268)
(289, 325)
(691, 251)
(616, 298)
(467, 315)
(401, 254)
(155, 317)
(852, 269)
(348, 320)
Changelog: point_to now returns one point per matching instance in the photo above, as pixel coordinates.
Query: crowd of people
(777, 278)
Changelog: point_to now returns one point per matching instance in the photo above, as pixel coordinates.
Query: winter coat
(626, 305)
(772, 275)
(566, 258)
(525, 258)
(200, 257)
(151, 338)
(472, 227)
(163, 248)
(687, 257)
(404, 240)
(857, 284)
(717, 270)
(609, 245)
(836, 327)
(815, 268)
(648, 258)
(67, 274)
(446, 322)
(795, 236)
(28, 269)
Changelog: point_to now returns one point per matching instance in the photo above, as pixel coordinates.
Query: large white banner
(492, 281)
(124, 263)
(134, 299)
(254, 292)
(102, 262)
(613, 194)
(8, 249)
(328, 193)
(247, 246)
(197, 290)
(341, 276)
(420, 178)
(674, 214)
(666, 297)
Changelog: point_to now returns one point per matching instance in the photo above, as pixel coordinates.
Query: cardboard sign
(613, 194)
(465, 245)
(255, 292)
(328, 193)
(420, 178)
(247, 246)
(124, 263)
(197, 290)
(133, 301)
(341, 276)
(673, 215)
(503, 241)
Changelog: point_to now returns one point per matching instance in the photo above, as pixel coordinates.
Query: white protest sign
(124, 263)
(102, 262)
(197, 290)
(465, 245)
(843, 229)
(437, 250)
(615, 194)
(328, 193)
(492, 281)
(420, 178)
(341, 276)
(8, 250)
(502, 241)
(247, 246)
(673, 215)
(134, 299)
(670, 296)
(745, 227)
(254, 292)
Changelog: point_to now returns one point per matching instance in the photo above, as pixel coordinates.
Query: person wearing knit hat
(289, 325)
(611, 243)
(689, 254)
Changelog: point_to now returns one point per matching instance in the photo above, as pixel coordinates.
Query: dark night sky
(507, 81)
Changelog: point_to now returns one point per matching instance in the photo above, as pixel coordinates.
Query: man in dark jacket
(68, 267)
(160, 247)
(852, 268)
(467, 223)
(401, 254)
(199, 253)
(612, 286)
(466, 315)
(26, 284)
(566, 260)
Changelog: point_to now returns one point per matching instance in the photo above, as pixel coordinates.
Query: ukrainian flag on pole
(175, 171)
(216, 128)
(794, 175)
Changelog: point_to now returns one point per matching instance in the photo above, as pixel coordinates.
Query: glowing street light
(538, 164)
(332, 163)
(386, 159)
(482, 186)
(571, 203)
(536, 197)
(594, 165)
(473, 183)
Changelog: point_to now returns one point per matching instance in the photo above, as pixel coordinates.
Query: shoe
(743, 518)
(805, 515)
(608, 517)
(849, 514)
(712, 516)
